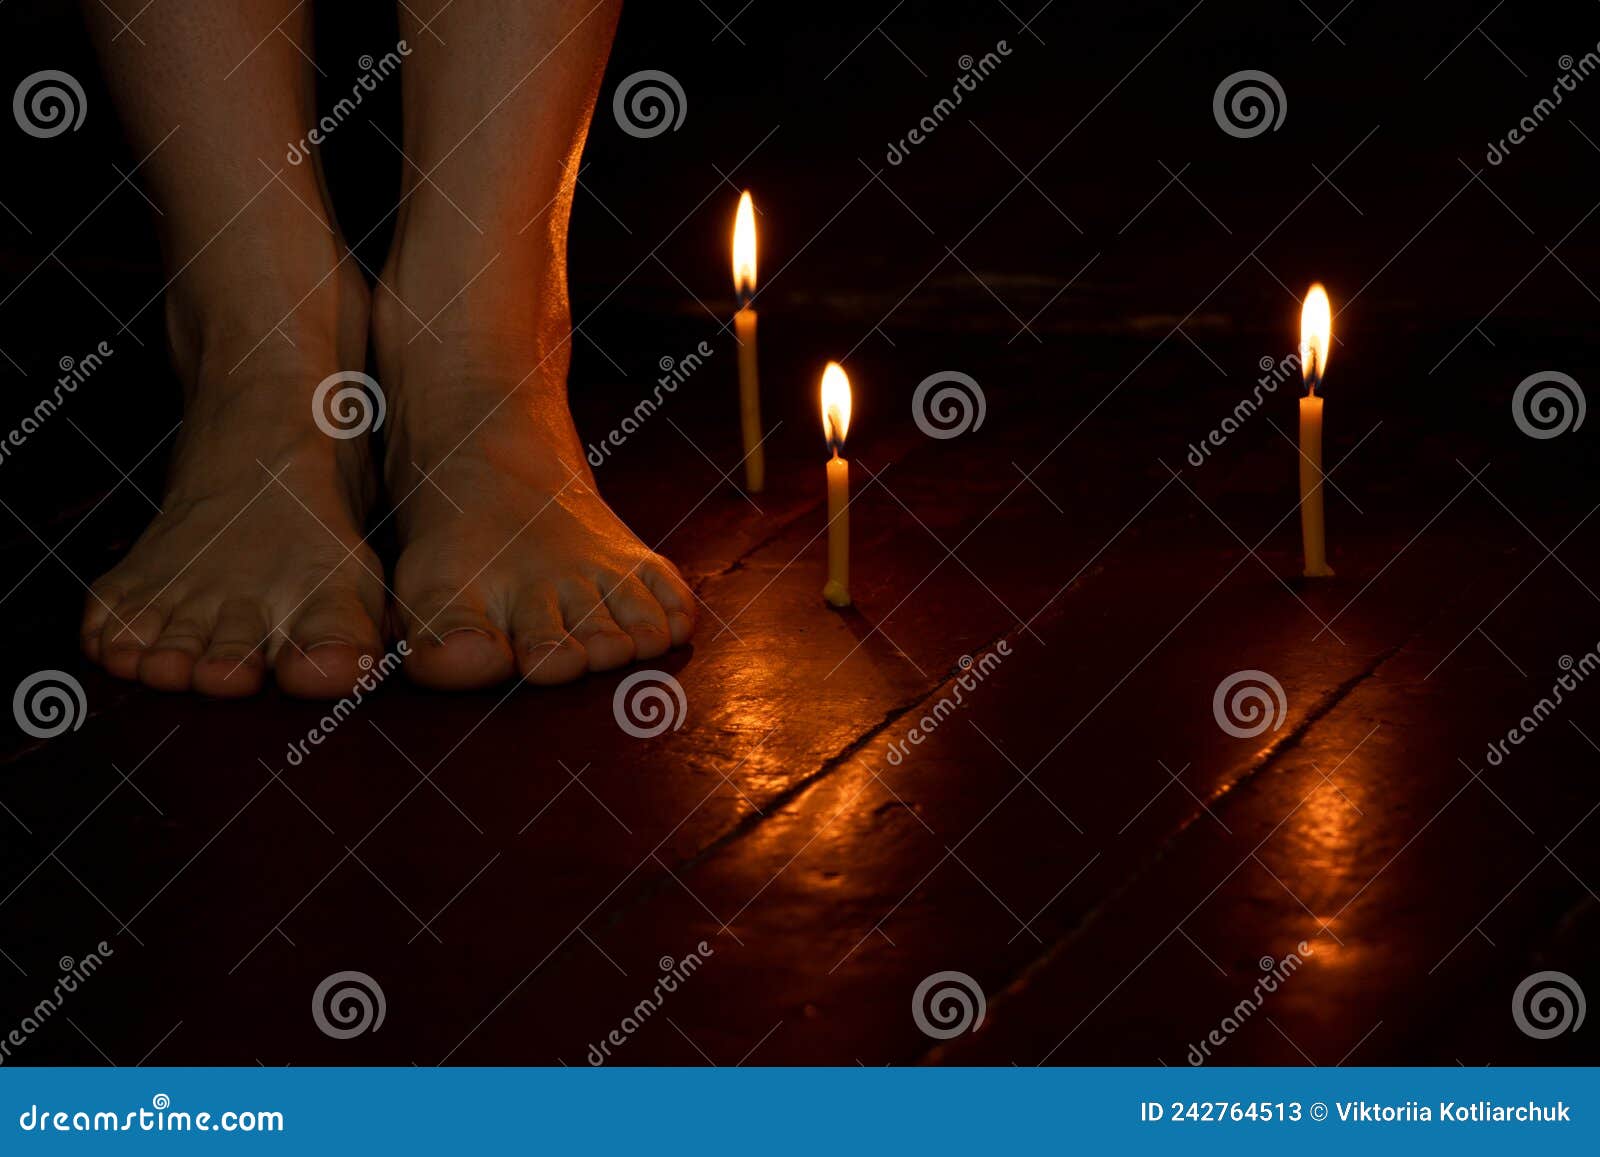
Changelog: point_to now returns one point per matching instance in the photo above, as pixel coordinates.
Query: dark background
(1148, 304)
(1085, 105)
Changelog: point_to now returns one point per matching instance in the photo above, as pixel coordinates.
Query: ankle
(452, 287)
(318, 314)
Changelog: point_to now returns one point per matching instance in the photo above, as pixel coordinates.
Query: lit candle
(835, 424)
(1316, 332)
(744, 328)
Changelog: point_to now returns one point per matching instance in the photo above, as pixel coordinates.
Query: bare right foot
(256, 560)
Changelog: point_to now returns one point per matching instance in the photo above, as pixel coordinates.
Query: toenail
(539, 653)
(330, 641)
(463, 631)
(678, 618)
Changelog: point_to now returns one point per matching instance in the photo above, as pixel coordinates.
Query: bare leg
(508, 551)
(240, 571)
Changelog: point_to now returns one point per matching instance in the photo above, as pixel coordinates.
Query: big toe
(331, 645)
(453, 646)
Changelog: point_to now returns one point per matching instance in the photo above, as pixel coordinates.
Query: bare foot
(511, 562)
(256, 559)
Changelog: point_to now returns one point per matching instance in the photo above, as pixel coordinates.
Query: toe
(234, 664)
(454, 646)
(329, 639)
(637, 612)
(674, 596)
(587, 620)
(98, 604)
(545, 653)
(127, 633)
(168, 664)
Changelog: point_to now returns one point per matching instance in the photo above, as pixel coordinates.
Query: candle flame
(835, 406)
(1316, 334)
(744, 248)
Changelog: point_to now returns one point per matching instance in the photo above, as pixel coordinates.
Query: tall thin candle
(744, 329)
(1316, 332)
(835, 424)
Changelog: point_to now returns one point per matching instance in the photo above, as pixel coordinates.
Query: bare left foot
(511, 562)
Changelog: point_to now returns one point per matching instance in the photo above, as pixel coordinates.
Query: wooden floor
(1051, 601)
